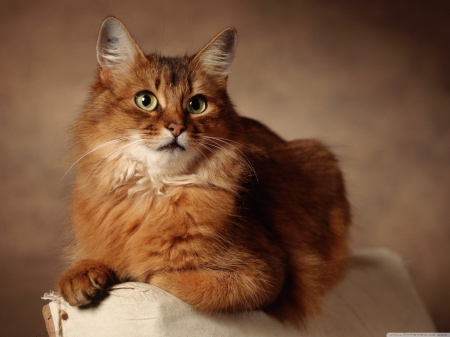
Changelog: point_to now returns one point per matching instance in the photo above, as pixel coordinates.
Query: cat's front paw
(84, 281)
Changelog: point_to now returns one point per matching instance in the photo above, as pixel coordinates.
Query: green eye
(146, 101)
(196, 105)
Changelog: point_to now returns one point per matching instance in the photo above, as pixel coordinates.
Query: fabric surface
(376, 297)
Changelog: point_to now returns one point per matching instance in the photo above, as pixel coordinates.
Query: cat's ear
(216, 57)
(116, 48)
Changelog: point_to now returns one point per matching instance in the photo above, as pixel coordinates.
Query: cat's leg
(85, 280)
(221, 290)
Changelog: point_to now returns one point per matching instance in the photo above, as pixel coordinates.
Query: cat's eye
(146, 101)
(196, 105)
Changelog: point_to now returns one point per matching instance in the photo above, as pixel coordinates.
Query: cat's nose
(176, 128)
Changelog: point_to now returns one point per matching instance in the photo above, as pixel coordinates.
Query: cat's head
(168, 113)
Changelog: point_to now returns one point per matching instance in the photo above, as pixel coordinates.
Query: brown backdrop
(369, 78)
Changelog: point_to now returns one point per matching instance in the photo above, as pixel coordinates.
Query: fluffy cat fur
(212, 207)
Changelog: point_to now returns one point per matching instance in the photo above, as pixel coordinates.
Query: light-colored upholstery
(376, 297)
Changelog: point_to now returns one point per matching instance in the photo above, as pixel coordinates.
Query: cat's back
(297, 177)
(306, 155)
(258, 134)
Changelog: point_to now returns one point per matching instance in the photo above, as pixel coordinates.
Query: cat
(174, 188)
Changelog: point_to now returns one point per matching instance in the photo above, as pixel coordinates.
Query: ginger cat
(174, 188)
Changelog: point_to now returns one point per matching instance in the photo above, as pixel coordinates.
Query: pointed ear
(217, 55)
(115, 46)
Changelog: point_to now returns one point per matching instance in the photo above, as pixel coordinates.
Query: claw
(84, 281)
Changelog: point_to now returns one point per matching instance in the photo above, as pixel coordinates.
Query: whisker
(207, 147)
(103, 161)
(229, 142)
(218, 146)
(247, 161)
(203, 145)
(223, 139)
(94, 149)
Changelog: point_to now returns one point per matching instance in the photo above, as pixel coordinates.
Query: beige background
(369, 78)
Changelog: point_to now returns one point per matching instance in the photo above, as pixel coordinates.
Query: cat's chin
(172, 147)
(169, 160)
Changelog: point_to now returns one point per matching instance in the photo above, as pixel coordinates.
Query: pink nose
(176, 128)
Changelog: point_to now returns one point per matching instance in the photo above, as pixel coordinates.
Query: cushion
(377, 296)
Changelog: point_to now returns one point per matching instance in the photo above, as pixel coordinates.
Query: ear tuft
(216, 57)
(115, 46)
